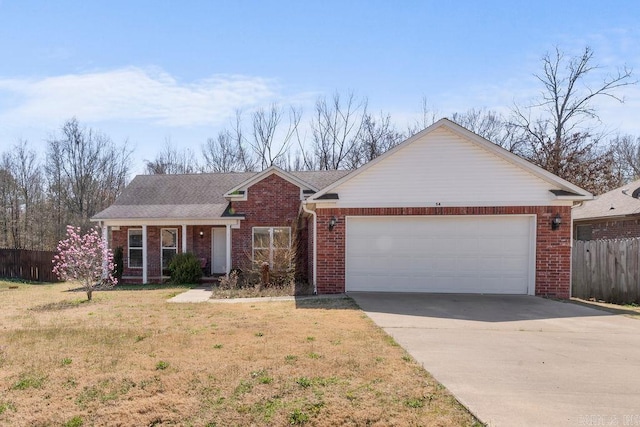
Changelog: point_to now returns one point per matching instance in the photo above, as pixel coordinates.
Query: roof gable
(446, 164)
(239, 190)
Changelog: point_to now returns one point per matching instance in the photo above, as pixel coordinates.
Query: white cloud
(132, 94)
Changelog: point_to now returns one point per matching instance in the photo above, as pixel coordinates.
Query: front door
(219, 250)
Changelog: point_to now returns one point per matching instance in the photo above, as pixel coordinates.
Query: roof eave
(176, 220)
(576, 198)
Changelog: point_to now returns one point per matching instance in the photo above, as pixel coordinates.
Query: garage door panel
(485, 254)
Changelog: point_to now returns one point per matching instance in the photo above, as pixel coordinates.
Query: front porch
(149, 247)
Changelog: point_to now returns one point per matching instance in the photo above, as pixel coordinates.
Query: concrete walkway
(198, 295)
(518, 360)
(193, 295)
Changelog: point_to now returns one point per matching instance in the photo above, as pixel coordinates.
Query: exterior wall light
(332, 222)
(556, 221)
(201, 234)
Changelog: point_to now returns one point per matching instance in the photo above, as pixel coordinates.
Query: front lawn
(130, 358)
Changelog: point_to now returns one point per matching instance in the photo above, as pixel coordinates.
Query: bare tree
(9, 215)
(269, 143)
(377, 136)
(626, 151)
(249, 163)
(557, 132)
(86, 171)
(222, 154)
(28, 179)
(336, 128)
(171, 160)
(428, 116)
(490, 125)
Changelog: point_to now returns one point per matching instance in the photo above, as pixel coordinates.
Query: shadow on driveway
(482, 308)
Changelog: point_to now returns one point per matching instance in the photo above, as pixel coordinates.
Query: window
(169, 246)
(135, 248)
(272, 245)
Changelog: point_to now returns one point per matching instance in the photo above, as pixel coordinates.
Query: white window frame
(135, 248)
(271, 247)
(162, 247)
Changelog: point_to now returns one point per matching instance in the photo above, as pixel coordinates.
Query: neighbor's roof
(623, 201)
(191, 196)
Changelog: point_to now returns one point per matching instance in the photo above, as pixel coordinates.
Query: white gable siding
(446, 169)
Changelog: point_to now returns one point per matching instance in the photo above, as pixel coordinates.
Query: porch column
(228, 248)
(105, 240)
(144, 254)
(184, 238)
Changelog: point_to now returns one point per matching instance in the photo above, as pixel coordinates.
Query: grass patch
(60, 305)
(103, 391)
(29, 380)
(119, 365)
(75, 421)
(162, 365)
(6, 406)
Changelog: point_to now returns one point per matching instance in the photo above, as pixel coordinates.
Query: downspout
(573, 206)
(315, 245)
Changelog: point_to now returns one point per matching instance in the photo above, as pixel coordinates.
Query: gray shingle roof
(320, 179)
(190, 196)
(618, 202)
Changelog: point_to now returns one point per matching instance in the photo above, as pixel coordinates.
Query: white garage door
(455, 254)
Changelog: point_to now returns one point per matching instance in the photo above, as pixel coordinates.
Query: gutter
(315, 245)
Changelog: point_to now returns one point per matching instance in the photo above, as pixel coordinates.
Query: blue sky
(146, 71)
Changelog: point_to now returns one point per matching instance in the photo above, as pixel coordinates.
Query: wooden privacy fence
(27, 265)
(607, 270)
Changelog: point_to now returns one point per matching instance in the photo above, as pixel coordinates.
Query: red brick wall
(271, 202)
(618, 229)
(553, 250)
(134, 275)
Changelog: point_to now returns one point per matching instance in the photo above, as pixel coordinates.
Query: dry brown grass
(130, 358)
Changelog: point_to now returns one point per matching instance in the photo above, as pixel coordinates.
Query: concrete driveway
(520, 360)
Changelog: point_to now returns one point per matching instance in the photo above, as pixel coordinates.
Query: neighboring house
(445, 211)
(612, 215)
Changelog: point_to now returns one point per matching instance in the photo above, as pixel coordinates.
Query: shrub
(275, 269)
(229, 281)
(185, 268)
(118, 263)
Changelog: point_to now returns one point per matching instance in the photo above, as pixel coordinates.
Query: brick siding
(553, 247)
(134, 275)
(612, 229)
(271, 202)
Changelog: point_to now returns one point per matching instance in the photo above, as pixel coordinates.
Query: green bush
(185, 268)
(118, 263)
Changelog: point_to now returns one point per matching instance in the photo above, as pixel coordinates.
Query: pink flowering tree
(86, 258)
